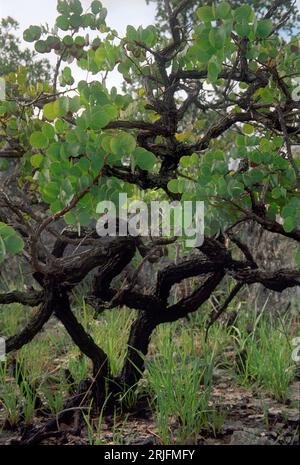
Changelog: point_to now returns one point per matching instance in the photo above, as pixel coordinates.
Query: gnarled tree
(80, 144)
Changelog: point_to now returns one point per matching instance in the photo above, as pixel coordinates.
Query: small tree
(80, 144)
(12, 55)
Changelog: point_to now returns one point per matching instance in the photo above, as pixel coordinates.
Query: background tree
(266, 243)
(288, 8)
(12, 56)
(15, 61)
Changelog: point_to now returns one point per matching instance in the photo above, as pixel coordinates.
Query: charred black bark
(138, 344)
(37, 322)
(88, 347)
(110, 269)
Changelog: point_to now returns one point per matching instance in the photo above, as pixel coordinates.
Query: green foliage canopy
(87, 142)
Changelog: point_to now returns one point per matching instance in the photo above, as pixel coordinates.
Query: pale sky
(120, 14)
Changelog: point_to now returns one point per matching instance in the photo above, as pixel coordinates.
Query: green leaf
(213, 70)
(10, 241)
(243, 28)
(264, 28)
(98, 119)
(96, 7)
(205, 13)
(288, 224)
(76, 7)
(123, 144)
(50, 191)
(223, 11)
(256, 157)
(32, 34)
(41, 46)
(131, 33)
(4, 165)
(79, 41)
(61, 126)
(14, 244)
(67, 74)
(53, 42)
(144, 159)
(63, 106)
(148, 36)
(63, 23)
(70, 218)
(75, 104)
(68, 41)
(39, 140)
(248, 129)
(36, 160)
(175, 186)
(278, 192)
(51, 111)
(105, 141)
(217, 37)
(48, 131)
(63, 7)
(75, 21)
(244, 12)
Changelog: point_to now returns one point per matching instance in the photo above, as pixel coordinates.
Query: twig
(222, 309)
(288, 145)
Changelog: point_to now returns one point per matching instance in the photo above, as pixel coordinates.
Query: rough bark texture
(60, 264)
(264, 245)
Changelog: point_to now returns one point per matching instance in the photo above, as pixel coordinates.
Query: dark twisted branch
(87, 346)
(30, 298)
(35, 325)
(216, 315)
(277, 280)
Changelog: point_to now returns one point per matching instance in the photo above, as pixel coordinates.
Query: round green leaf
(76, 7)
(75, 21)
(205, 13)
(32, 34)
(248, 129)
(243, 28)
(213, 70)
(223, 10)
(217, 37)
(144, 159)
(51, 111)
(264, 28)
(36, 160)
(98, 118)
(14, 244)
(41, 46)
(48, 131)
(63, 23)
(288, 224)
(39, 140)
(175, 186)
(96, 7)
(244, 12)
(123, 144)
(68, 41)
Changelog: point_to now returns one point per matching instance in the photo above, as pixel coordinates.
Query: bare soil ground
(249, 419)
